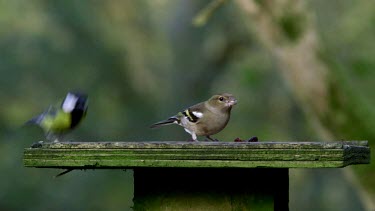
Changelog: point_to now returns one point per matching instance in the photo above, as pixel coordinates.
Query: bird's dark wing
(194, 113)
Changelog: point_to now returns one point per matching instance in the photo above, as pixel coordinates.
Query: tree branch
(202, 17)
(287, 30)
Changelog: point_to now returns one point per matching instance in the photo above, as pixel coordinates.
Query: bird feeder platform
(202, 175)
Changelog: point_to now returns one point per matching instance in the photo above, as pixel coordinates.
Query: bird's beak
(232, 102)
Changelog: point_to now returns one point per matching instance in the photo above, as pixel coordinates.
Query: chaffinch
(205, 118)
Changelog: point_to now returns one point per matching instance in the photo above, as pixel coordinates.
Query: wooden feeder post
(202, 175)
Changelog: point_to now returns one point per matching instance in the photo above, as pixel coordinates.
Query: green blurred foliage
(142, 61)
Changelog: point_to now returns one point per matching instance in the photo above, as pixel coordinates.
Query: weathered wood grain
(83, 155)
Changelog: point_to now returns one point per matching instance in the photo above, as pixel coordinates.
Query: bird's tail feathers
(171, 120)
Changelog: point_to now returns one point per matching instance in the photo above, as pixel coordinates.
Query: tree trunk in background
(287, 30)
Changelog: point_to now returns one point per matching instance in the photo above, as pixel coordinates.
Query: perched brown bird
(205, 118)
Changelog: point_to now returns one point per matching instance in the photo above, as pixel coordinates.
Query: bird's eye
(221, 98)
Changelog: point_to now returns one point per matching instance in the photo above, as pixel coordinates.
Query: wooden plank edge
(188, 164)
(192, 145)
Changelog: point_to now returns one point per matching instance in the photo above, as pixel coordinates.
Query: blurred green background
(142, 61)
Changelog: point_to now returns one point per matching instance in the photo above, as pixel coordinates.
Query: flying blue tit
(205, 118)
(57, 121)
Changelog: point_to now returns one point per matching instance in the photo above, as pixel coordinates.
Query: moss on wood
(184, 154)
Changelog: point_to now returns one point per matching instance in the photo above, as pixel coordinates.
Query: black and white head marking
(69, 103)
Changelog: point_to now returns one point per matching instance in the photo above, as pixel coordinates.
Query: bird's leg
(57, 138)
(212, 139)
(253, 139)
(193, 138)
(52, 137)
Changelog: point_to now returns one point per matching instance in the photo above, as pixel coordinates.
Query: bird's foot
(215, 140)
(208, 138)
(253, 139)
(192, 140)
